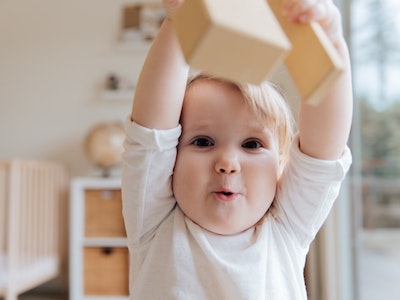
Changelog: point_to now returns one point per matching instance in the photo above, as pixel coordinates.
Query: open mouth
(226, 196)
(227, 193)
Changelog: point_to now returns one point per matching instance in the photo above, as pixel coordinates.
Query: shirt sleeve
(307, 191)
(148, 163)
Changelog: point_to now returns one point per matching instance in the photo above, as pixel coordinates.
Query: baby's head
(269, 107)
(235, 141)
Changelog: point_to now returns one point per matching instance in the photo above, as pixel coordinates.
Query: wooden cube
(233, 39)
(313, 62)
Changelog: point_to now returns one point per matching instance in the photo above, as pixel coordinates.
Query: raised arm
(324, 129)
(162, 81)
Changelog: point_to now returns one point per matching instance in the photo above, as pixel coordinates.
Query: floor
(32, 296)
(51, 291)
(40, 294)
(379, 265)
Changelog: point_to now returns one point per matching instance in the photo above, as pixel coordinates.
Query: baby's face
(227, 164)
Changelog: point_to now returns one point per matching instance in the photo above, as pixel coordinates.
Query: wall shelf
(134, 46)
(115, 95)
(104, 242)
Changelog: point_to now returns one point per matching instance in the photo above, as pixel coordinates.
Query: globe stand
(106, 172)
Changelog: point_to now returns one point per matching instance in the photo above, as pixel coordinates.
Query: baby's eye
(252, 144)
(203, 142)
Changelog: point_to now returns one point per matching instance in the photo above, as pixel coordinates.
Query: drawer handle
(107, 250)
(107, 194)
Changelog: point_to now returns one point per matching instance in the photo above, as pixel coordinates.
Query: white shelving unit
(98, 253)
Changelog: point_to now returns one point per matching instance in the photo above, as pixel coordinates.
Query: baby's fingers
(171, 6)
(305, 11)
(293, 8)
(322, 11)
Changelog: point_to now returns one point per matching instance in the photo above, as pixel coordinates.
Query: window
(375, 48)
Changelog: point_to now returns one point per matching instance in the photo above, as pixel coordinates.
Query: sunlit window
(375, 40)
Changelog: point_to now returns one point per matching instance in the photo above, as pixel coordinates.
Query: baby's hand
(322, 11)
(171, 6)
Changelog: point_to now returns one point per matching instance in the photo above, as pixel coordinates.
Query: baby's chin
(227, 230)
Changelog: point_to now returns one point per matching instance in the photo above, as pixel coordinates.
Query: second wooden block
(242, 43)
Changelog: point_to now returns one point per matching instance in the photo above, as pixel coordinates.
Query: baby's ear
(281, 167)
(282, 163)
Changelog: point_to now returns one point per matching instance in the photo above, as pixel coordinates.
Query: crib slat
(48, 242)
(3, 215)
(35, 213)
(43, 226)
(13, 226)
(26, 238)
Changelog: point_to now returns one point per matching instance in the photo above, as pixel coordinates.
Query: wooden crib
(33, 199)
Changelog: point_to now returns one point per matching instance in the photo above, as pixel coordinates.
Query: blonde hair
(268, 105)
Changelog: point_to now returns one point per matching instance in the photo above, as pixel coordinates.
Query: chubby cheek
(187, 176)
(261, 180)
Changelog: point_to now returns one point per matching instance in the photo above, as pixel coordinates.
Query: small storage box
(106, 271)
(103, 213)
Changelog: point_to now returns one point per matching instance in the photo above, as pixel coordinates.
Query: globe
(104, 145)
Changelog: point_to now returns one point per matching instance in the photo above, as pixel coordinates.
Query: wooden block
(313, 62)
(234, 39)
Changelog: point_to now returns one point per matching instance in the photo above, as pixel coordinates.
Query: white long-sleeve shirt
(173, 258)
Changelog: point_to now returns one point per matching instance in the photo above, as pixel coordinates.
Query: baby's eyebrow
(200, 126)
(195, 129)
(258, 127)
(262, 130)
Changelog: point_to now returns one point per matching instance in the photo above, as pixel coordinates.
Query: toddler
(220, 199)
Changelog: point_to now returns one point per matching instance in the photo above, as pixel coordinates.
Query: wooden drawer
(106, 271)
(103, 213)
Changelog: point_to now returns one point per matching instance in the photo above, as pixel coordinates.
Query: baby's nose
(227, 164)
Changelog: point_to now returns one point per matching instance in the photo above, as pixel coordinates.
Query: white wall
(54, 58)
